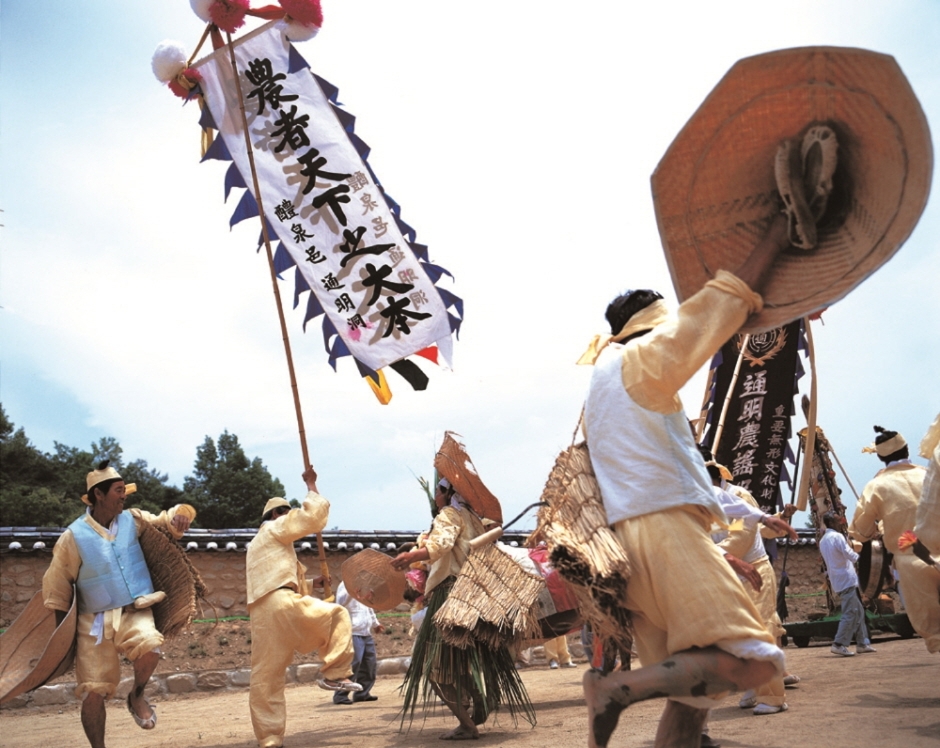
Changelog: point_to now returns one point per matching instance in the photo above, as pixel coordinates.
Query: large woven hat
(453, 463)
(370, 579)
(715, 193)
(34, 650)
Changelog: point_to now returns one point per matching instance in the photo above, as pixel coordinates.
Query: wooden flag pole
(724, 407)
(324, 568)
(810, 444)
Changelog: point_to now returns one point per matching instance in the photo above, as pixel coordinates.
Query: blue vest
(113, 573)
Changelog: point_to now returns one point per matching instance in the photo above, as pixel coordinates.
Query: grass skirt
(484, 676)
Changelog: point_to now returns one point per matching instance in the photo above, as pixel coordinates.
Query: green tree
(43, 490)
(226, 488)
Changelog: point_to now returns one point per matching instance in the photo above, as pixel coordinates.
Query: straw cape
(370, 579)
(34, 650)
(582, 547)
(494, 602)
(172, 572)
(453, 463)
(715, 193)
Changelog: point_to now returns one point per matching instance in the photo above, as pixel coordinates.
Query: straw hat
(34, 650)
(453, 463)
(715, 193)
(274, 504)
(370, 579)
(99, 475)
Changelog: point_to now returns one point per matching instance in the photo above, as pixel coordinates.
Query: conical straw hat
(34, 650)
(453, 462)
(370, 579)
(715, 194)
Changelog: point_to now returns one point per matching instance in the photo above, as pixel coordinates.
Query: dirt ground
(226, 645)
(887, 699)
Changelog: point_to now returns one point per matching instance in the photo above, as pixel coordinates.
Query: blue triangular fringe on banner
(393, 206)
(233, 178)
(295, 60)
(218, 151)
(205, 119)
(272, 234)
(452, 301)
(406, 230)
(362, 148)
(300, 285)
(347, 120)
(329, 90)
(282, 260)
(365, 371)
(454, 324)
(420, 250)
(435, 271)
(329, 331)
(246, 208)
(338, 349)
(314, 309)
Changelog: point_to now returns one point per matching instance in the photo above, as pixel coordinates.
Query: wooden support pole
(324, 568)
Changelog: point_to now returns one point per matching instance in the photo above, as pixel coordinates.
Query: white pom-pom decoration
(297, 32)
(169, 60)
(201, 9)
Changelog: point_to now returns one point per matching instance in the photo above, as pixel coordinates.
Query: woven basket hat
(34, 650)
(715, 193)
(453, 463)
(370, 579)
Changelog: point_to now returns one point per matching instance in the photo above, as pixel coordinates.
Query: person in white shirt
(840, 565)
(364, 624)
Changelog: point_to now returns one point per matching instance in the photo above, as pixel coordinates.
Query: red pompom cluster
(229, 15)
(306, 12)
(192, 75)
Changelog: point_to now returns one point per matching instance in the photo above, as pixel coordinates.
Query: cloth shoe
(748, 700)
(338, 685)
(839, 649)
(571, 663)
(709, 742)
(761, 709)
(553, 664)
(368, 697)
(144, 724)
(864, 649)
(790, 679)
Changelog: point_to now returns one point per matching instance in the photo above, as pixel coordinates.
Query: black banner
(756, 431)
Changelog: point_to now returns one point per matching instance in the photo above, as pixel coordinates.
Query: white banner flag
(319, 196)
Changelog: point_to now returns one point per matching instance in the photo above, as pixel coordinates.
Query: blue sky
(130, 310)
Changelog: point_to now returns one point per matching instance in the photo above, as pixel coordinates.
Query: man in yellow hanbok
(285, 618)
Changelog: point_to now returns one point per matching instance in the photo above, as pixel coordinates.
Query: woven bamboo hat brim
(715, 193)
(453, 463)
(370, 579)
(34, 650)
(172, 572)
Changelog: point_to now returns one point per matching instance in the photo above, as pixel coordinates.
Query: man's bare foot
(605, 700)
(461, 733)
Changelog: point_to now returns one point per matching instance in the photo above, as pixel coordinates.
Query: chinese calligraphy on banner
(323, 203)
(757, 425)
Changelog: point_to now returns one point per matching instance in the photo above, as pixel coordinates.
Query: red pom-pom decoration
(185, 82)
(229, 15)
(306, 12)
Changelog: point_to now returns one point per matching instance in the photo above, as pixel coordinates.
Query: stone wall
(222, 570)
(224, 573)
